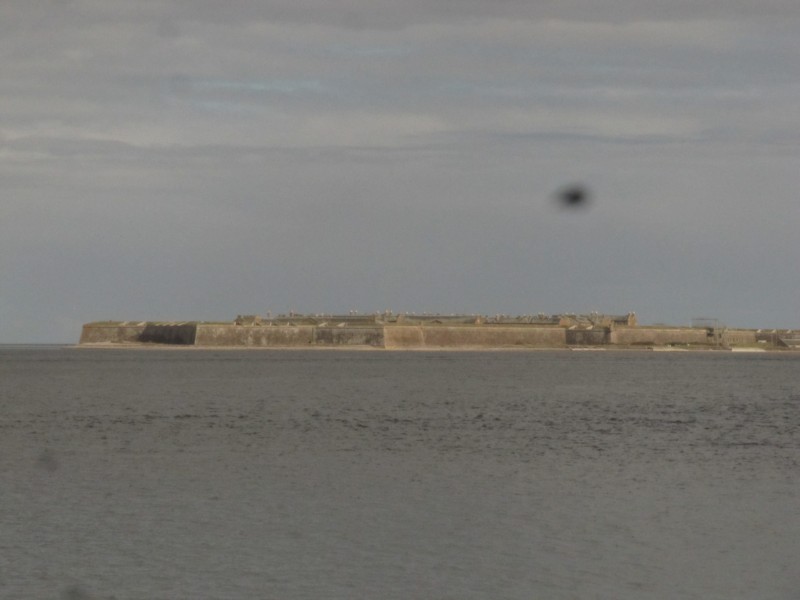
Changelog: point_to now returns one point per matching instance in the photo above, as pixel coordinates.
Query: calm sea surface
(152, 474)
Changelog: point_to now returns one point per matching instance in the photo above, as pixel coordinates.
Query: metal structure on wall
(715, 329)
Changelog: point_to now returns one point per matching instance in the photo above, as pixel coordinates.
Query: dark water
(198, 474)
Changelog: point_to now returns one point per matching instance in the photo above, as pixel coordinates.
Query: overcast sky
(197, 159)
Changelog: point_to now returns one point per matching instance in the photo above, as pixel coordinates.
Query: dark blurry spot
(573, 196)
(74, 592)
(47, 460)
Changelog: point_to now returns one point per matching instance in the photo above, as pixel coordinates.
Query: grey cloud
(200, 159)
(385, 14)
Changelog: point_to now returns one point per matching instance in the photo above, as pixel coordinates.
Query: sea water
(149, 474)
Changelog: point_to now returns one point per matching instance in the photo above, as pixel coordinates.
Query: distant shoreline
(456, 332)
(464, 349)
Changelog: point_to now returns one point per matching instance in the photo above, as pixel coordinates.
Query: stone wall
(380, 336)
(658, 336)
(182, 334)
(739, 337)
(349, 336)
(286, 336)
(401, 336)
(138, 333)
(111, 333)
(233, 335)
(588, 337)
(481, 336)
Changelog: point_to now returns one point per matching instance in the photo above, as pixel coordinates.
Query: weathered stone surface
(658, 336)
(492, 337)
(111, 333)
(395, 335)
(234, 335)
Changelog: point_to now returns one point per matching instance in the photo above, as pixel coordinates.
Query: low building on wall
(778, 338)
(248, 320)
(595, 319)
(739, 337)
(628, 320)
(565, 320)
(412, 319)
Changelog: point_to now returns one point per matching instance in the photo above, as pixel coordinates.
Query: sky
(195, 160)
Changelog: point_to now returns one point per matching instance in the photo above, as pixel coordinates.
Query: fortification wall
(233, 335)
(587, 337)
(439, 336)
(739, 337)
(284, 336)
(349, 336)
(138, 333)
(111, 333)
(658, 336)
(399, 336)
(403, 336)
(178, 334)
